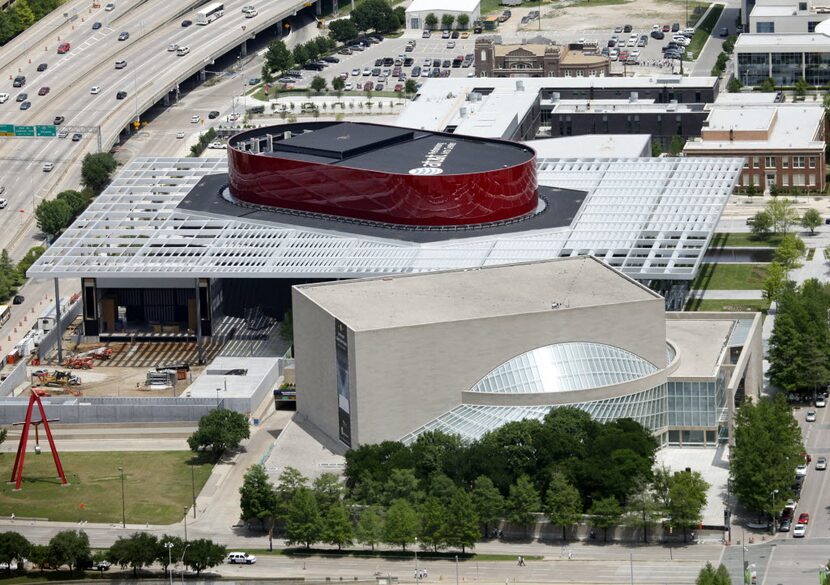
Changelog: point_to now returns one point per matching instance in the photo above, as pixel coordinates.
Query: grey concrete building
(465, 351)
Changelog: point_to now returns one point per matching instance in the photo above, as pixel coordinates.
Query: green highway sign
(49, 130)
(24, 130)
(6, 129)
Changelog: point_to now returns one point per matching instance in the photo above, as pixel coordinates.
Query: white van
(182, 51)
(241, 558)
(4, 97)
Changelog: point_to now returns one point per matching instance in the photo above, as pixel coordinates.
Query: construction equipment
(101, 353)
(78, 362)
(57, 378)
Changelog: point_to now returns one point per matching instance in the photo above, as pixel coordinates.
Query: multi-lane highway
(152, 72)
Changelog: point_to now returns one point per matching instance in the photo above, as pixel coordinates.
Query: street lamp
(773, 492)
(183, 552)
(169, 546)
(417, 573)
(193, 488)
(123, 507)
(185, 526)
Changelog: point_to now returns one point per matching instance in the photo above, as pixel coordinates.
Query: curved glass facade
(472, 421)
(565, 367)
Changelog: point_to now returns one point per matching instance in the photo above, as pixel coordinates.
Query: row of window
(797, 180)
(770, 162)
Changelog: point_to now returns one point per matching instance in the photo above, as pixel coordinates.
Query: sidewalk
(727, 295)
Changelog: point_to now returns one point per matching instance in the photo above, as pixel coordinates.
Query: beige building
(541, 59)
(465, 351)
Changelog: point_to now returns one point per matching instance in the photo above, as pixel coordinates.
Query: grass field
(704, 30)
(388, 554)
(745, 240)
(730, 277)
(157, 486)
(727, 305)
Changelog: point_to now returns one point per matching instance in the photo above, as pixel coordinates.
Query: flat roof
(745, 98)
(764, 42)
(586, 106)
(593, 146)
(460, 295)
(791, 126)
(699, 343)
(443, 6)
(761, 11)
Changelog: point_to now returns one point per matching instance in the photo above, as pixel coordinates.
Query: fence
(50, 340)
(13, 380)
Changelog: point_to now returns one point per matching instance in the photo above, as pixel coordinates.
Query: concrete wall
(15, 378)
(50, 340)
(403, 377)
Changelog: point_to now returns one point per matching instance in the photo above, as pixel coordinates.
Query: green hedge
(204, 139)
(704, 29)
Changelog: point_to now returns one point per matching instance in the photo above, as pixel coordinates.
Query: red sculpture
(17, 470)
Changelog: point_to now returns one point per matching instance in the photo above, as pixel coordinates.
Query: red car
(43, 90)
(398, 87)
(666, 28)
(804, 518)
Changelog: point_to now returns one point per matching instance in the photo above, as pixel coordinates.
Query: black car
(186, 23)
(58, 120)
(96, 25)
(19, 81)
(76, 137)
(345, 51)
(436, 62)
(627, 28)
(657, 34)
(21, 97)
(18, 299)
(378, 62)
(313, 67)
(213, 114)
(454, 34)
(408, 62)
(121, 95)
(416, 71)
(785, 525)
(25, 105)
(675, 27)
(123, 36)
(330, 59)
(42, 67)
(446, 63)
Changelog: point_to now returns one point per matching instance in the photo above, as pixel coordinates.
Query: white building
(419, 9)
(787, 16)
(785, 58)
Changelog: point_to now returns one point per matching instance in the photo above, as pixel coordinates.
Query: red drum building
(383, 173)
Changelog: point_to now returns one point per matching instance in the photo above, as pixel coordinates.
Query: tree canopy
(97, 170)
(218, 431)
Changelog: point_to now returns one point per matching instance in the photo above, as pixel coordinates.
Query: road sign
(24, 130)
(49, 130)
(6, 129)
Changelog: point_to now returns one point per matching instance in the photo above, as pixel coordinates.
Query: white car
(182, 51)
(349, 86)
(821, 463)
(248, 8)
(251, 14)
(195, 119)
(47, 167)
(632, 42)
(109, 7)
(3, 203)
(689, 32)
(95, 89)
(172, 47)
(800, 530)
(821, 402)
(242, 558)
(233, 117)
(366, 72)
(811, 416)
(801, 470)
(356, 72)
(180, 134)
(217, 145)
(4, 97)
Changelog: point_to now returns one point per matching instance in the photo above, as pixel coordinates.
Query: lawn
(388, 554)
(727, 305)
(703, 31)
(730, 277)
(491, 6)
(745, 240)
(157, 486)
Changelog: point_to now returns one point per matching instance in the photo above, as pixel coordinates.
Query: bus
(210, 13)
(5, 314)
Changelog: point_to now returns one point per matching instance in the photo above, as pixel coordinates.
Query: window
(812, 162)
(811, 26)
(811, 180)
(769, 162)
(756, 162)
(802, 6)
(785, 162)
(746, 163)
(798, 180)
(785, 181)
(765, 27)
(798, 162)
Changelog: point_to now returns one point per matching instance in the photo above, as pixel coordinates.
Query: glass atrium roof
(652, 218)
(565, 367)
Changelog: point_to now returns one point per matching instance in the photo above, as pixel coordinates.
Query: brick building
(537, 59)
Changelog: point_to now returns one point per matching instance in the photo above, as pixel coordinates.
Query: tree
(402, 484)
(318, 84)
(289, 483)
(76, 201)
(463, 21)
(430, 21)
(676, 145)
(376, 15)
(39, 556)
(811, 220)
(410, 86)
(789, 251)
(462, 521)
(53, 216)
(563, 506)
(267, 78)
(722, 576)
(220, 430)
(136, 551)
(165, 556)
(69, 547)
(343, 30)
(328, 490)
(312, 50)
(278, 58)
(14, 547)
(370, 529)
(687, 497)
(488, 501)
(447, 20)
(257, 497)
(401, 526)
(522, 502)
(767, 449)
(23, 14)
(706, 576)
(768, 85)
(643, 509)
(337, 85)
(286, 328)
(303, 524)
(776, 281)
(300, 55)
(606, 513)
(734, 85)
(96, 170)
(433, 521)
(782, 213)
(762, 224)
(801, 87)
(203, 554)
(337, 526)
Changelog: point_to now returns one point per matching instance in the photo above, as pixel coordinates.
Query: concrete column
(202, 74)
(166, 99)
(318, 7)
(279, 28)
(58, 321)
(243, 49)
(199, 349)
